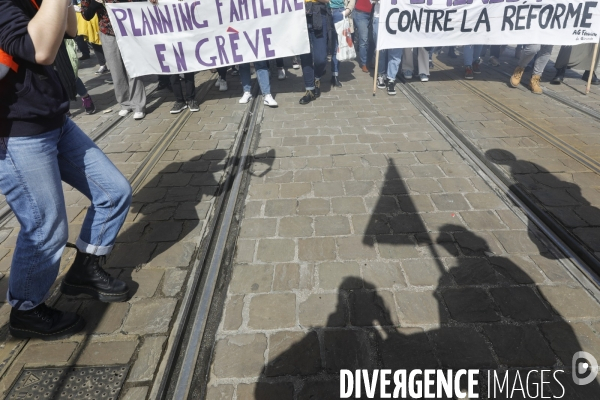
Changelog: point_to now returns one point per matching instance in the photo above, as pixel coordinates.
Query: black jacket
(32, 100)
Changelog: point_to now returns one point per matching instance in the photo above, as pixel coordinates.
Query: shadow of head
(500, 156)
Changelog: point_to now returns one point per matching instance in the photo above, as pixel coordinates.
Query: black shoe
(163, 85)
(452, 53)
(317, 90)
(595, 80)
(193, 105)
(391, 87)
(44, 323)
(335, 81)
(86, 276)
(178, 107)
(84, 57)
(308, 97)
(558, 78)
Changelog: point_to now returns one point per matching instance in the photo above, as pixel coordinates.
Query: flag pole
(377, 69)
(592, 69)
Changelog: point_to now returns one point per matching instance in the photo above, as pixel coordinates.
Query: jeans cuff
(89, 249)
(335, 74)
(24, 305)
(310, 88)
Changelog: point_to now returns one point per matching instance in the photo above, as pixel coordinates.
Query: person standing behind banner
(471, 60)
(543, 56)
(579, 57)
(381, 67)
(262, 74)
(340, 9)
(362, 17)
(178, 85)
(130, 92)
(319, 22)
(408, 65)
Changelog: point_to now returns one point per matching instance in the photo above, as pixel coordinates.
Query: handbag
(345, 50)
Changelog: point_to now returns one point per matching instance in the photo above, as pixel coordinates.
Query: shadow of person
(486, 312)
(561, 199)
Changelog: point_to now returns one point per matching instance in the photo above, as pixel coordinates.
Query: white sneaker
(295, 63)
(223, 86)
(281, 74)
(268, 100)
(218, 82)
(424, 77)
(123, 113)
(246, 98)
(103, 69)
(139, 115)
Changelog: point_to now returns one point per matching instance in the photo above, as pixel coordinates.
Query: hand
(346, 12)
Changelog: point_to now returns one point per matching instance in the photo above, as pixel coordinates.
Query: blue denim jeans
(262, 74)
(394, 59)
(382, 53)
(338, 15)
(314, 63)
(31, 171)
(361, 26)
(471, 52)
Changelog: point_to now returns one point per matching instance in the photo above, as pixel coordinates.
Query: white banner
(428, 23)
(192, 35)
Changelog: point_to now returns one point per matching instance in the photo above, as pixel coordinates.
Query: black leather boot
(558, 78)
(44, 323)
(335, 81)
(308, 97)
(595, 80)
(317, 89)
(86, 276)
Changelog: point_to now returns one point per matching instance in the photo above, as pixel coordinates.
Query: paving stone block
(127, 255)
(232, 320)
(332, 226)
(251, 278)
(519, 242)
(245, 251)
(103, 318)
(461, 185)
(570, 302)
(374, 224)
(424, 185)
(415, 204)
(328, 189)
(293, 353)
(480, 244)
(107, 353)
(450, 202)
(485, 201)
(520, 303)
(275, 250)
(219, 392)
(316, 249)
(482, 220)
(136, 393)
(568, 338)
(405, 348)
(372, 308)
(344, 275)
(473, 271)
(47, 353)
(470, 305)
(518, 269)
(313, 207)
(263, 191)
(396, 247)
(347, 205)
(425, 272)
(266, 391)
(239, 356)
(296, 227)
(383, 275)
(147, 359)
(520, 346)
(555, 271)
(174, 279)
(171, 255)
(142, 282)
(150, 316)
(462, 348)
(272, 311)
(258, 227)
(358, 188)
(420, 308)
(323, 310)
(287, 277)
(356, 248)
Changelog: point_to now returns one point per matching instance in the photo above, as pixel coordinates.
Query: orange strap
(35, 4)
(8, 61)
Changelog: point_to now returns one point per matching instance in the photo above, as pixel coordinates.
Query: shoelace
(99, 271)
(43, 312)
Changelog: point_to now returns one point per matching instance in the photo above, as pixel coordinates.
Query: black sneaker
(335, 81)
(308, 97)
(193, 105)
(317, 90)
(391, 87)
(178, 107)
(163, 85)
(44, 323)
(86, 276)
(381, 82)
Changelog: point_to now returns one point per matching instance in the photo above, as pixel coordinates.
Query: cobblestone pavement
(565, 187)
(154, 249)
(373, 244)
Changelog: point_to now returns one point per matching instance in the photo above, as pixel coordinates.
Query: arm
(349, 7)
(71, 22)
(47, 29)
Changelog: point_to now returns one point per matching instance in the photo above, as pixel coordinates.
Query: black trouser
(222, 71)
(99, 53)
(495, 51)
(82, 45)
(279, 62)
(188, 83)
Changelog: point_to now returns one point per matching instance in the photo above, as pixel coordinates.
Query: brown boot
(515, 79)
(535, 84)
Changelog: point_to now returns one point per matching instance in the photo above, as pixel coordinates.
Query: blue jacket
(32, 100)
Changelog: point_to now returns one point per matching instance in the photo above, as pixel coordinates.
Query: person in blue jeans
(262, 74)
(340, 9)
(39, 149)
(382, 66)
(318, 19)
(472, 63)
(362, 17)
(394, 57)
